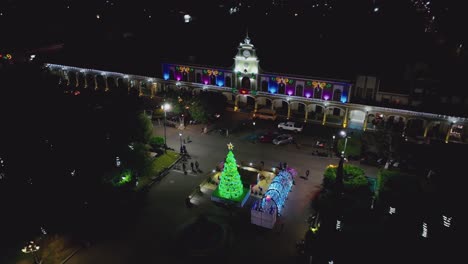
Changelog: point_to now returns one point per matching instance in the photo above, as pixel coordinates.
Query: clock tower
(246, 66)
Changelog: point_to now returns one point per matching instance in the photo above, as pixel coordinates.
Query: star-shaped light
(230, 146)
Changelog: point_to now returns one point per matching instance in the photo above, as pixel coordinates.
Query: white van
(265, 114)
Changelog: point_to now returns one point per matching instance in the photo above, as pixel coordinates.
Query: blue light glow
(166, 76)
(344, 99)
(220, 83)
(275, 196)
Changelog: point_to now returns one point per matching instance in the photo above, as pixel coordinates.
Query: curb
(71, 255)
(163, 173)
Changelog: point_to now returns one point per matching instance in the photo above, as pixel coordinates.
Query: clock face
(246, 53)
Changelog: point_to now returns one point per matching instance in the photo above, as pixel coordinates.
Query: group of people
(195, 166)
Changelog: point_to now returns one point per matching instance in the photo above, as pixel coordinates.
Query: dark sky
(341, 41)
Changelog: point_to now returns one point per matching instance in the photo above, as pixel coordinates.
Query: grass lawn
(157, 166)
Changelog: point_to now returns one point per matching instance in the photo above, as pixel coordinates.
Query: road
(148, 238)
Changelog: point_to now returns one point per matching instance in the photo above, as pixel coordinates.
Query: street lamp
(333, 144)
(343, 134)
(31, 247)
(166, 107)
(180, 137)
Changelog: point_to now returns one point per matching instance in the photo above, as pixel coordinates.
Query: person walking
(307, 174)
(191, 165)
(184, 167)
(196, 164)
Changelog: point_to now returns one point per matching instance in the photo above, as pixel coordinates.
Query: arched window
(184, 76)
(246, 83)
(318, 93)
(213, 80)
(264, 86)
(318, 109)
(171, 75)
(299, 90)
(199, 80)
(337, 95)
(281, 88)
(228, 81)
(192, 76)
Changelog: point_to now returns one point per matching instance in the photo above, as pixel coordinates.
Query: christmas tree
(230, 185)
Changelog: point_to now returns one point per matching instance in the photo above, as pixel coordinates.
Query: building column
(95, 82)
(140, 90)
(77, 75)
(85, 81)
(68, 79)
(106, 84)
(289, 111)
(306, 115)
(324, 115)
(272, 105)
(345, 119)
(256, 106)
(236, 102)
(426, 129)
(364, 125)
(448, 133)
(152, 88)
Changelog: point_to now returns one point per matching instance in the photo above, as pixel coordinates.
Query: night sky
(324, 38)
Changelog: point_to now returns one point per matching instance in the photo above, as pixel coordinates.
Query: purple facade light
(307, 95)
(290, 92)
(326, 97)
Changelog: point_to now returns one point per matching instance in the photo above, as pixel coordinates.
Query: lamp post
(180, 137)
(165, 107)
(31, 247)
(343, 134)
(333, 145)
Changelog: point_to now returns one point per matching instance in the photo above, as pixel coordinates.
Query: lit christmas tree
(230, 185)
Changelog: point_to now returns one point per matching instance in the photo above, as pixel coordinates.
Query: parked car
(283, 139)
(291, 126)
(268, 137)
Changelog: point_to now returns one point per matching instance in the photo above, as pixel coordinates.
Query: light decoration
(307, 95)
(30, 247)
(282, 80)
(392, 210)
(212, 72)
(424, 230)
(317, 84)
(326, 97)
(184, 69)
(447, 220)
(166, 76)
(338, 225)
(6, 56)
(230, 185)
(275, 197)
(126, 177)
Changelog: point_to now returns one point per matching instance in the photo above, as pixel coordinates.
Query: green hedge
(354, 177)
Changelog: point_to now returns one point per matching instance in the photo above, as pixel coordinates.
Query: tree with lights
(230, 185)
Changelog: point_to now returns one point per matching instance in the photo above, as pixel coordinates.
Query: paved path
(147, 240)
